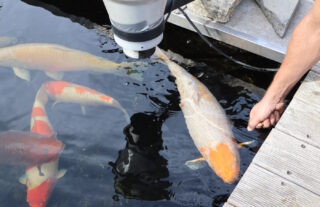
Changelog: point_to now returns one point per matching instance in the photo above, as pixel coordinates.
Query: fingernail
(249, 129)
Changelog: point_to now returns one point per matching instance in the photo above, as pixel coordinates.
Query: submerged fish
(61, 91)
(206, 122)
(25, 148)
(54, 59)
(40, 186)
(5, 41)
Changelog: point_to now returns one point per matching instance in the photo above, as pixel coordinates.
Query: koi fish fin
(22, 73)
(83, 110)
(54, 104)
(40, 172)
(61, 173)
(6, 41)
(243, 144)
(196, 163)
(55, 75)
(125, 114)
(23, 179)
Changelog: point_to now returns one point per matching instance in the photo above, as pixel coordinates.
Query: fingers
(253, 121)
(273, 119)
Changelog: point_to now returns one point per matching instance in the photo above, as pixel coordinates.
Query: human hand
(264, 114)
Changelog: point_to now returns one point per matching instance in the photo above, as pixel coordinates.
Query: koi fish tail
(117, 105)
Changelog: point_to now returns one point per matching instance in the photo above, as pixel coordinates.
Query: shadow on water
(140, 169)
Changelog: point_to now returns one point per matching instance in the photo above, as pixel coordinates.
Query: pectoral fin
(83, 110)
(23, 179)
(243, 144)
(61, 173)
(196, 163)
(22, 73)
(54, 104)
(55, 76)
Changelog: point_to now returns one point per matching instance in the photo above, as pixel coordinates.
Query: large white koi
(207, 123)
(55, 59)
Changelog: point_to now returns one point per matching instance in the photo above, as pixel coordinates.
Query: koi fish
(207, 123)
(25, 148)
(40, 187)
(54, 59)
(5, 41)
(61, 91)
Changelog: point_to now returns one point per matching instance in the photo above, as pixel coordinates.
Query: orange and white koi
(207, 123)
(39, 187)
(61, 91)
(54, 59)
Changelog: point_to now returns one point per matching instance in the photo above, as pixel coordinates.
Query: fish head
(55, 88)
(224, 159)
(39, 196)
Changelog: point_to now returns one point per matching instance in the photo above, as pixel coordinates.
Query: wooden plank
(228, 205)
(291, 159)
(316, 68)
(259, 187)
(309, 90)
(301, 119)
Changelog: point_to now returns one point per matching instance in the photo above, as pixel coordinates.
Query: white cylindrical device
(138, 25)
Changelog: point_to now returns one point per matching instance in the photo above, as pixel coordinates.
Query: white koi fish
(55, 59)
(207, 123)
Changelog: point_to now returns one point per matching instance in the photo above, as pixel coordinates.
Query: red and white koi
(207, 123)
(55, 59)
(61, 91)
(40, 186)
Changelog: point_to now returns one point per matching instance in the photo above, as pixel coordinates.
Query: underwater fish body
(61, 91)
(207, 123)
(40, 186)
(24, 148)
(53, 59)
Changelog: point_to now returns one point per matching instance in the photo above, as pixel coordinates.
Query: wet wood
(316, 68)
(286, 169)
(260, 187)
(301, 119)
(291, 159)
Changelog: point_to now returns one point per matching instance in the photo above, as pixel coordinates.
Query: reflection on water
(145, 165)
(139, 168)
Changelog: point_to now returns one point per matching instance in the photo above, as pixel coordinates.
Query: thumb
(253, 121)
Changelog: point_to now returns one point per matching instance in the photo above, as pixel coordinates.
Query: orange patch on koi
(38, 197)
(82, 90)
(42, 128)
(106, 98)
(38, 111)
(56, 87)
(223, 161)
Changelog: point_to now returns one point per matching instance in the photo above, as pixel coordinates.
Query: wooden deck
(286, 170)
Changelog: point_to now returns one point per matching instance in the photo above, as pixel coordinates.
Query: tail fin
(118, 105)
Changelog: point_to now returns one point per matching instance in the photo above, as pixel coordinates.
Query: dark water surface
(111, 163)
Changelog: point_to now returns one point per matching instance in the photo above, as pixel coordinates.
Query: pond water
(98, 143)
